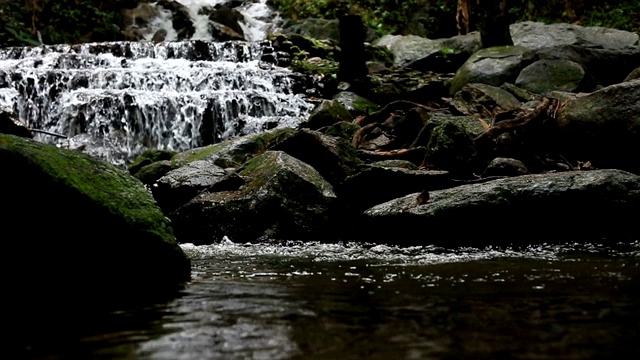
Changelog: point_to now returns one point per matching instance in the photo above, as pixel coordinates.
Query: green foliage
(73, 21)
(58, 21)
(394, 16)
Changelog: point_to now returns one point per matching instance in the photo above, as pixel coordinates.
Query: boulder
(385, 180)
(505, 167)
(326, 113)
(283, 198)
(181, 19)
(226, 16)
(356, 104)
(633, 75)
(69, 217)
(234, 152)
(483, 100)
(602, 127)
(602, 66)
(333, 157)
(178, 186)
(566, 207)
(537, 35)
(412, 50)
(492, 66)
(544, 76)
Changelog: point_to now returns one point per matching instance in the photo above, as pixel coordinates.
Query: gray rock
(375, 184)
(548, 75)
(233, 153)
(321, 29)
(567, 206)
(492, 66)
(410, 48)
(283, 198)
(536, 35)
(356, 104)
(633, 75)
(333, 157)
(484, 100)
(327, 113)
(602, 127)
(179, 186)
(505, 167)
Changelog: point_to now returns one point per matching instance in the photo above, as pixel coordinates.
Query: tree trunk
(489, 16)
(352, 57)
(494, 23)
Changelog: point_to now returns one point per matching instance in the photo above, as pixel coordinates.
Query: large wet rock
(327, 113)
(601, 66)
(283, 198)
(233, 153)
(84, 230)
(537, 35)
(483, 100)
(415, 51)
(179, 186)
(544, 76)
(567, 207)
(385, 180)
(602, 127)
(333, 157)
(492, 66)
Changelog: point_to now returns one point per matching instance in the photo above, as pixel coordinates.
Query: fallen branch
(392, 107)
(414, 155)
(521, 120)
(48, 133)
(361, 133)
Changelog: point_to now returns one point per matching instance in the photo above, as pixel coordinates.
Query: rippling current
(357, 301)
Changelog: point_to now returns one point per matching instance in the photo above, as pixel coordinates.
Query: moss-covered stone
(75, 214)
(234, 152)
(342, 129)
(356, 104)
(150, 173)
(283, 198)
(148, 157)
(327, 113)
(492, 66)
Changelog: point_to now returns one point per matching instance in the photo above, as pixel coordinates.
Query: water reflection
(354, 301)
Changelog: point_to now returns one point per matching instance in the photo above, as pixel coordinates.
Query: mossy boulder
(234, 152)
(327, 113)
(492, 66)
(333, 157)
(356, 104)
(545, 75)
(483, 100)
(283, 198)
(603, 203)
(150, 156)
(449, 142)
(71, 215)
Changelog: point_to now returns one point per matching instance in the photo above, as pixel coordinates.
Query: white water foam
(259, 19)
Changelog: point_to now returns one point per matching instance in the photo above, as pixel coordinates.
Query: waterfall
(114, 100)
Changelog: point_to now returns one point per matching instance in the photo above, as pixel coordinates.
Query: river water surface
(355, 301)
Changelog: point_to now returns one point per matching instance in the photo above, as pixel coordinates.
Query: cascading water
(114, 100)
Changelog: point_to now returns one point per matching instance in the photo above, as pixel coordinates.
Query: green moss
(148, 157)
(102, 183)
(233, 152)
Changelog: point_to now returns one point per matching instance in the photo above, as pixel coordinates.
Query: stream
(293, 300)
